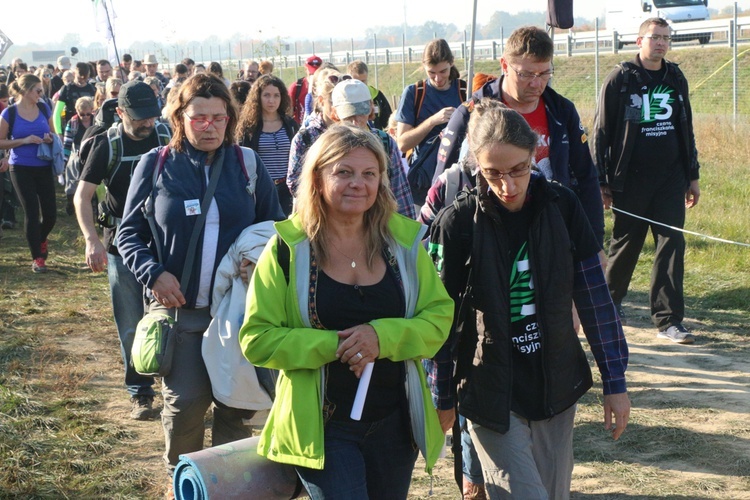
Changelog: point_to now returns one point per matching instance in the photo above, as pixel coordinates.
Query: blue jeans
(364, 460)
(127, 306)
(472, 467)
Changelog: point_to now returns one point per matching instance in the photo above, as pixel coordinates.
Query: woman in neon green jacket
(347, 284)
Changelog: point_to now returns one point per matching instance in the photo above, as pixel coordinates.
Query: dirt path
(681, 395)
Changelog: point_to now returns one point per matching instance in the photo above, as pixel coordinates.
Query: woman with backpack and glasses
(23, 127)
(200, 193)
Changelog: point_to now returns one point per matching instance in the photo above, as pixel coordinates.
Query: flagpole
(470, 75)
(111, 32)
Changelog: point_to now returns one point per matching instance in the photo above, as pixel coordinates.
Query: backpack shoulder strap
(114, 141)
(148, 205)
(43, 109)
(246, 157)
(420, 90)
(163, 133)
(385, 139)
(452, 182)
(462, 90)
(12, 111)
(628, 69)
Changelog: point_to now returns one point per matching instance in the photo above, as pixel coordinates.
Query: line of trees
(237, 46)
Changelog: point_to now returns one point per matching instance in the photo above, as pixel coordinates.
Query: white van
(626, 16)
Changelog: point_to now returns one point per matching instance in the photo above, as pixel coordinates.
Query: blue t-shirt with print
(434, 101)
(26, 154)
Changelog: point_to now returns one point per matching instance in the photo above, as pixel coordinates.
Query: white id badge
(192, 207)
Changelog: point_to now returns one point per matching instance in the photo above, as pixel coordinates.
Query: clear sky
(46, 21)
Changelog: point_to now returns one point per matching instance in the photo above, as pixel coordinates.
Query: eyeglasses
(201, 124)
(528, 76)
(659, 38)
(492, 174)
(85, 115)
(47, 75)
(334, 79)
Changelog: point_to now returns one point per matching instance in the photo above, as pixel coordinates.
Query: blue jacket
(569, 154)
(182, 179)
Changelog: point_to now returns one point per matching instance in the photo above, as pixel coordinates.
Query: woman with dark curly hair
(266, 126)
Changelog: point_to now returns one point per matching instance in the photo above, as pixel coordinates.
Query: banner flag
(104, 15)
(5, 44)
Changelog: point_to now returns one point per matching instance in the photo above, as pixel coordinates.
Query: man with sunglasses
(562, 153)
(137, 108)
(644, 146)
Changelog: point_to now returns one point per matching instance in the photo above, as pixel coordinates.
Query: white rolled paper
(359, 398)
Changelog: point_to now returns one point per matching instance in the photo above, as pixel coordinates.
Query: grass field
(64, 431)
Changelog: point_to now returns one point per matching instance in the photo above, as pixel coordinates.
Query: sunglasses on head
(334, 79)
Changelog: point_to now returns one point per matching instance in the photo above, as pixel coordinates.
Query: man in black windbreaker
(645, 149)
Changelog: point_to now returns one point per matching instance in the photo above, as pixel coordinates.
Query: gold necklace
(354, 263)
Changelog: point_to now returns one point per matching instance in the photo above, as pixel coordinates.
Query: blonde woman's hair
(337, 142)
(85, 102)
(322, 86)
(110, 86)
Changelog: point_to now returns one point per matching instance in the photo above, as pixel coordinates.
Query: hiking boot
(473, 491)
(8, 224)
(621, 314)
(143, 407)
(39, 266)
(677, 334)
(43, 249)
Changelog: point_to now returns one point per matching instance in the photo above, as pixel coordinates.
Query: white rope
(682, 230)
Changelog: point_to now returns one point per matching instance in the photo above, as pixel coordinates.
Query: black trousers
(7, 199)
(35, 188)
(660, 198)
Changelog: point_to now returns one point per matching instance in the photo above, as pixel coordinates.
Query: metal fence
(715, 69)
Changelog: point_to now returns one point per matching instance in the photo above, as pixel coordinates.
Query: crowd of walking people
(446, 250)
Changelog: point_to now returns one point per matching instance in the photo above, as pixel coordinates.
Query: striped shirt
(273, 149)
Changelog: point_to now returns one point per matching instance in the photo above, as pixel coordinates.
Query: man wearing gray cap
(352, 104)
(56, 83)
(136, 134)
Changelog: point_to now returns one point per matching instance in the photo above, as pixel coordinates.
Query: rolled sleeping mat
(234, 470)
